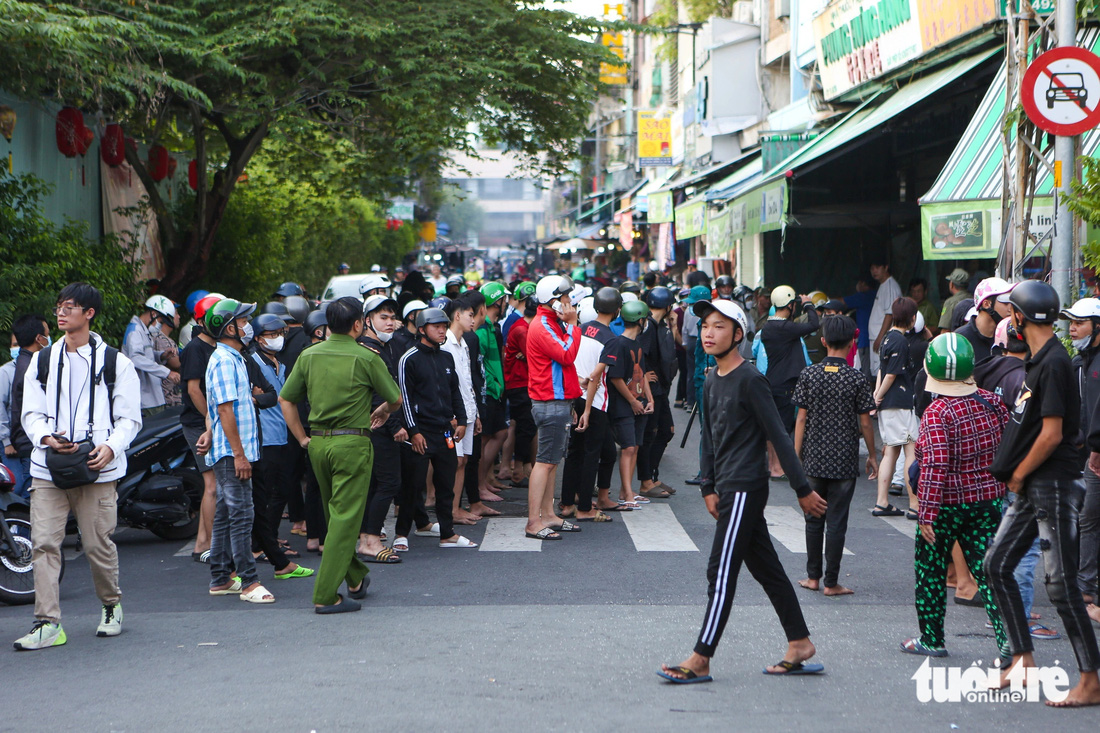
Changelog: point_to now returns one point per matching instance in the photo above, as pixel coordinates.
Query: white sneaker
(42, 636)
(431, 531)
(110, 621)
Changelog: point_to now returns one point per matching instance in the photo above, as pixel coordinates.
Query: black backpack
(106, 374)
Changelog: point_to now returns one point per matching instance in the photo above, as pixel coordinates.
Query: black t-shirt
(624, 360)
(296, 341)
(1049, 390)
(983, 347)
(193, 361)
(894, 359)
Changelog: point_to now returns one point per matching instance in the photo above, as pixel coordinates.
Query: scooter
(16, 578)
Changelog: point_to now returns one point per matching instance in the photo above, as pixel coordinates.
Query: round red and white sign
(1061, 91)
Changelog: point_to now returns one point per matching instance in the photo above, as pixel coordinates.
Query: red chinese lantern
(193, 175)
(158, 163)
(111, 145)
(69, 131)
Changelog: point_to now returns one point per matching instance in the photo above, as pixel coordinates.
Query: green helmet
(634, 311)
(494, 292)
(950, 358)
(524, 290)
(224, 312)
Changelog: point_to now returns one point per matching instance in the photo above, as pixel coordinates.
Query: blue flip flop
(795, 668)
(689, 676)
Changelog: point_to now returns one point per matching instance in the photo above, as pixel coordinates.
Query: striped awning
(974, 170)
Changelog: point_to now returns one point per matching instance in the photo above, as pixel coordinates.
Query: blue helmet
(194, 298)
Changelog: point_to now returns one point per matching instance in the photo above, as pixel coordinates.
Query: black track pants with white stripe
(742, 537)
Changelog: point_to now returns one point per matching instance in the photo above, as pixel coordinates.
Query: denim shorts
(192, 436)
(553, 419)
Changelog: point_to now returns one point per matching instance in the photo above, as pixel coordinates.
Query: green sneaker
(110, 621)
(42, 636)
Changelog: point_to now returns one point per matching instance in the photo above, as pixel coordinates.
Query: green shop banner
(761, 210)
(660, 208)
(691, 219)
(719, 241)
(972, 230)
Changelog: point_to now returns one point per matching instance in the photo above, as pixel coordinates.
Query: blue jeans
(1025, 571)
(23, 487)
(231, 538)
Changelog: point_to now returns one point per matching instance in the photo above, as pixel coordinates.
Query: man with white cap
(738, 417)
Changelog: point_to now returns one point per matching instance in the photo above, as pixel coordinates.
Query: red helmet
(7, 479)
(204, 305)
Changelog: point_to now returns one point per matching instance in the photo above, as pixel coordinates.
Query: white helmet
(727, 308)
(586, 310)
(552, 287)
(374, 282)
(412, 307)
(161, 305)
(918, 323)
(579, 293)
(991, 287)
(1083, 309)
(376, 268)
(629, 298)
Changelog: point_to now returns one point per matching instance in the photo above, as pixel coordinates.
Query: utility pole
(1061, 253)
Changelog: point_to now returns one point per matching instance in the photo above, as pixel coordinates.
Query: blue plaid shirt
(227, 381)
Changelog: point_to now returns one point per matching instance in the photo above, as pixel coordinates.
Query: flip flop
(565, 526)
(689, 676)
(230, 591)
(298, 572)
(344, 605)
(639, 499)
(299, 532)
(795, 668)
(385, 556)
(361, 592)
(431, 531)
(401, 544)
(629, 506)
(916, 646)
(667, 488)
(1035, 631)
(461, 543)
(544, 534)
(600, 517)
(203, 557)
(616, 508)
(656, 493)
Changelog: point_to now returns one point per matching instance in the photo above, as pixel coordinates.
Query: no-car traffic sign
(1061, 91)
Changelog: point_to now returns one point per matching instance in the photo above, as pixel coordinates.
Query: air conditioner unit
(782, 8)
(743, 12)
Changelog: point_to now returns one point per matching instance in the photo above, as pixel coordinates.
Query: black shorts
(492, 417)
(787, 410)
(629, 432)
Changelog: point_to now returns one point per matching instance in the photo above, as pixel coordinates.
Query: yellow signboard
(614, 74)
(654, 139)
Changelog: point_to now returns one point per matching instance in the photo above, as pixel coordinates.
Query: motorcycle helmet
(552, 287)
(204, 305)
(783, 296)
(630, 286)
(298, 308)
(579, 293)
(276, 308)
(634, 312)
(193, 299)
(7, 479)
(431, 315)
(161, 306)
(375, 302)
(724, 281)
(441, 303)
(287, 289)
(494, 292)
(607, 300)
(659, 297)
(949, 363)
(1036, 301)
(524, 291)
(314, 321)
(225, 312)
(412, 307)
(374, 282)
(267, 322)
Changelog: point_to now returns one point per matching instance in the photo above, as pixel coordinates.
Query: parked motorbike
(16, 578)
(162, 490)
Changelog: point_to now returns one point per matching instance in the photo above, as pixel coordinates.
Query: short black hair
(474, 298)
(461, 303)
(27, 328)
(649, 279)
(342, 314)
(86, 296)
(918, 281)
(838, 331)
(879, 259)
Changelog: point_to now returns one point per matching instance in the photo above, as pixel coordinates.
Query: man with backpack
(81, 409)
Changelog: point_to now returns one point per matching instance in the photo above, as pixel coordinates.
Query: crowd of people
(425, 392)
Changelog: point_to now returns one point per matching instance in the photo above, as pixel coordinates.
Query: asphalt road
(565, 636)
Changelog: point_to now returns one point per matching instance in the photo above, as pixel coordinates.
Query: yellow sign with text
(654, 139)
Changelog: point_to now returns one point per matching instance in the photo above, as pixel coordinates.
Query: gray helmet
(431, 315)
(298, 307)
(267, 322)
(276, 308)
(315, 320)
(289, 288)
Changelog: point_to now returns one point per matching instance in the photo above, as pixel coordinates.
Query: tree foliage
(39, 258)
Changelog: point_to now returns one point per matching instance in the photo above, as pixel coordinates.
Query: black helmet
(267, 322)
(276, 308)
(1036, 301)
(431, 315)
(288, 288)
(724, 281)
(441, 303)
(659, 297)
(742, 293)
(607, 300)
(298, 307)
(315, 320)
(630, 287)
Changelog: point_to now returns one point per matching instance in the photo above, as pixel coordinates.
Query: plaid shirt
(958, 439)
(227, 381)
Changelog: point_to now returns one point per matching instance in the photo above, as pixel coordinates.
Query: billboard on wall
(654, 138)
(858, 41)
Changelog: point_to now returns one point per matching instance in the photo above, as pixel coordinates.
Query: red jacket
(552, 348)
(515, 356)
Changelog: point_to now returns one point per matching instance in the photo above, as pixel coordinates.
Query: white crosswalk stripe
(787, 525)
(186, 550)
(656, 529)
(906, 526)
(506, 534)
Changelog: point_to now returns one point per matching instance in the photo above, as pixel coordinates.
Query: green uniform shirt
(949, 307)
(926, 309)
(339, 377)
(489, 338)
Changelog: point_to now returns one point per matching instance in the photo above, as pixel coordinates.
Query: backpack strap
(107, 374)
(44, 365)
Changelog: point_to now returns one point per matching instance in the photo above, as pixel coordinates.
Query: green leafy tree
(38, 258)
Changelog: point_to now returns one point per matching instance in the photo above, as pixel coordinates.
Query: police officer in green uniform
(339, 377)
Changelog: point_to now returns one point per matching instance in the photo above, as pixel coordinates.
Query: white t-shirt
(460, 352)
(888, 292)
(437, 282)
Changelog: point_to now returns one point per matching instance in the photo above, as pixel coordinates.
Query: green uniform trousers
(342, 465)
(973, 526)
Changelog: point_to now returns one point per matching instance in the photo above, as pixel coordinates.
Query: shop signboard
(611, 73)
(761, 210)
(861, 40)
(719, 240)
(972, 230)
(660, 207)
(654, 139)
(691, 219)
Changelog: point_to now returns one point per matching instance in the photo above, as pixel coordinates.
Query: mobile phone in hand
(59, 438)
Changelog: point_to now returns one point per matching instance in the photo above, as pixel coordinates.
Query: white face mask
(1082, 343)
(384, 337)
(274, 345)
(246, 334)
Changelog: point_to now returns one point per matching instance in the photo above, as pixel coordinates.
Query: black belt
(342, 431)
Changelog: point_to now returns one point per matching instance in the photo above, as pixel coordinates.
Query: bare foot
(809, 584)
(464, 517)
(483, 511)
(1019, 661)
(1086, 693)
(697, 663)
(1094, 612)
(838, 590)
(798, 651)
(488, 496)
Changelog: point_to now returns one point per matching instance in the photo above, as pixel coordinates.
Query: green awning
(691, 218)
(961, 215)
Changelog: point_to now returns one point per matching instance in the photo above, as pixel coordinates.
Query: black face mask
(992, 313)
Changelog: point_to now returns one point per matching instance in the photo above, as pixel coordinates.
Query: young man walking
(69, 405)
(462, 322)
(835, 405)
(1039, 461)
(740, 416)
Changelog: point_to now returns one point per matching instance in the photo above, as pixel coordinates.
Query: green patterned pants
(973, 527)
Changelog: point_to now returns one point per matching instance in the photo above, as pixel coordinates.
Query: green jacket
(492, 359)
